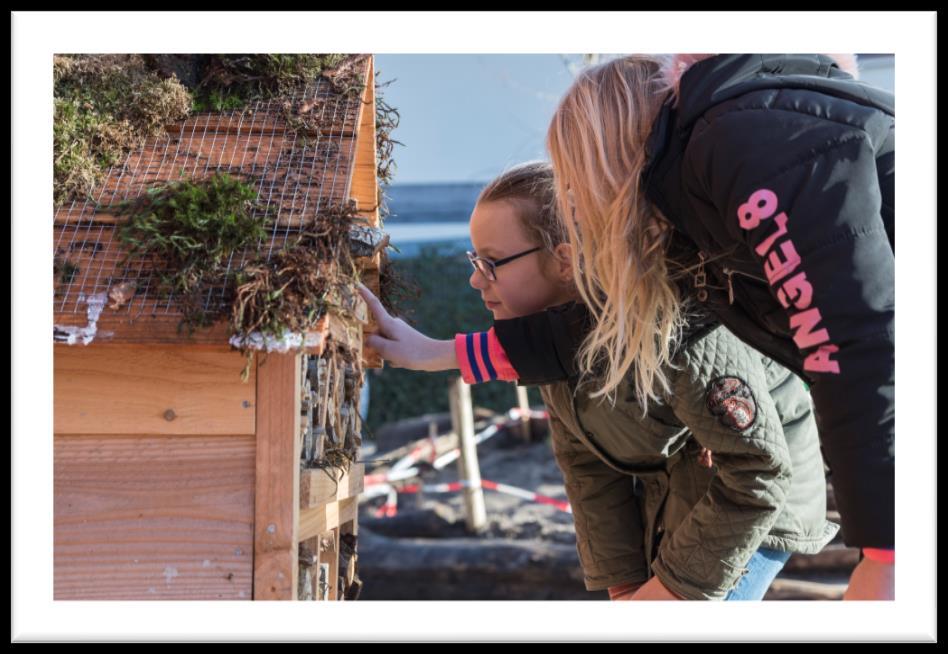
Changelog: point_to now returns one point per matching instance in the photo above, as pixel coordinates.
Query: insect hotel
(207, 405)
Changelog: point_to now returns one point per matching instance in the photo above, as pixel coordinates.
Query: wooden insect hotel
(175, 478)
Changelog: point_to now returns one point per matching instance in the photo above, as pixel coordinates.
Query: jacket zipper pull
(701, 279)
(730, 287)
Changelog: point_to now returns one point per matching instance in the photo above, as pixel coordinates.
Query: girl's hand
(871, 580)
(705, 459)
(653, 589)
(623, 591)
(405, 347)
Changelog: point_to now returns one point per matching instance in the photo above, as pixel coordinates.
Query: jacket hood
(698, 81)
(674, 66)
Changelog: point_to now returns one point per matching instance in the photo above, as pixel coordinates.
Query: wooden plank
(364, 188)
(244, 123)
(156, 517)
(369, 268)
(136, 389)
(119, 329)
(276, 513)
(317, 487)
(320, 519)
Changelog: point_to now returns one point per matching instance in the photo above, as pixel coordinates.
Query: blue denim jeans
(761, 571)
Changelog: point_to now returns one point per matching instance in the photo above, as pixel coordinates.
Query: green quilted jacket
(642, 503)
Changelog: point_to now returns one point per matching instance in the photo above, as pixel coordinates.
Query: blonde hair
(597, 146)
(529, 188)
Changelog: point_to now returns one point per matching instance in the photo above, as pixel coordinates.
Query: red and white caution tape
(381, 484)
(389, 508)
(456, 486)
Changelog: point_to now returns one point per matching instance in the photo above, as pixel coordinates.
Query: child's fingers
(375, 306)
(380, 344)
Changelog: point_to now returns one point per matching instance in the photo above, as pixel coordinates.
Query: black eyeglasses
(487, 267)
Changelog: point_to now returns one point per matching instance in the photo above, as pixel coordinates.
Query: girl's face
(526, 285)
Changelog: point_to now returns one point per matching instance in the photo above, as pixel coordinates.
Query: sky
(465, 118)
(468, 117)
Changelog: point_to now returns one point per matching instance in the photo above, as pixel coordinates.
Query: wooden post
(462, 419)
(524, 405)
(432, 442)
(276, 501)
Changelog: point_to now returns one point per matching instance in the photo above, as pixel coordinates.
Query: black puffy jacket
(779, 171)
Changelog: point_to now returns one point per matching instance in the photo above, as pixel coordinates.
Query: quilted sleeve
(721, 394)
(609, 527)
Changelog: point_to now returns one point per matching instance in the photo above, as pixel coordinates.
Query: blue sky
(466, 117)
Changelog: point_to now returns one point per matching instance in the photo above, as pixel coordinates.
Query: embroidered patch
(731, 400)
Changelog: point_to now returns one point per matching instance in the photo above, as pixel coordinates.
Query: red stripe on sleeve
(498, 357)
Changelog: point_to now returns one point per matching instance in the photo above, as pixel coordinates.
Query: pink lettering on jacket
(780, 262)
(796, 291)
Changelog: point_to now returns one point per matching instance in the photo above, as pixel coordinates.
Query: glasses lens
(482, 266)
(486, 269)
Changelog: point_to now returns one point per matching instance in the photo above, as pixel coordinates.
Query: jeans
(761, 571)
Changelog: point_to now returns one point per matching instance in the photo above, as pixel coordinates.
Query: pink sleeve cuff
(481, 358)
(882, 556)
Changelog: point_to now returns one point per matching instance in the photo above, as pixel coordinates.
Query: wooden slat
(237, 123)
(139, 518)
(317, 487)
(138, 389)
(328, 516)
(119, 329)
(364, 188)
(246, 126)
(276, 513)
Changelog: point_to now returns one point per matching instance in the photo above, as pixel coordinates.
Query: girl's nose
(477, 280)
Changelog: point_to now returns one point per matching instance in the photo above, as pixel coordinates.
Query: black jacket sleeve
(542, 346)
(810, 198)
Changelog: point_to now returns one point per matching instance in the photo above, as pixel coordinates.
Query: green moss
(64, 270)
(105, 105)
(231, 80)
(217, 101)
(191, 230)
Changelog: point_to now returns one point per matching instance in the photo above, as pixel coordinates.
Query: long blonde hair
(596, 142)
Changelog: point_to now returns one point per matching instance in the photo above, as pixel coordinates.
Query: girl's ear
(564, 263)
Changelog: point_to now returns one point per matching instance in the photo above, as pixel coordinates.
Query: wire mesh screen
(296, 173)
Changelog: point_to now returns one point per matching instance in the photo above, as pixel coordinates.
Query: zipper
(730, 288)
(700, 280)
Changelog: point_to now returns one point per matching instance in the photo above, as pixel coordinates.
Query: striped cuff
(879, 555)
(481, 358)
